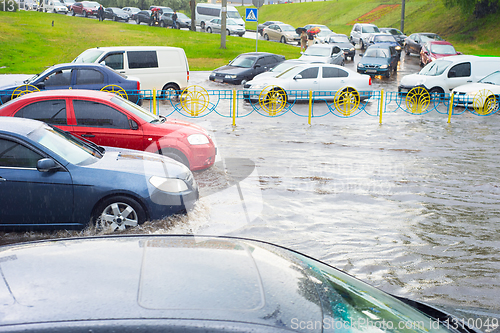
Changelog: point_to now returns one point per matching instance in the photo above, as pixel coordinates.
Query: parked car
(361, 32)
(109, 120)
(245, 67)
(379, 59)
(386, 39)
(56, 7)
(280, 68)
(131, 11)
(261, 26)
(485, 93)
(232, 28)
(324, 53)
(215, 284)
(75, 76)
(316, 77)
(143, 16)
(85, 8)
(414, 42)
(400, 37)
(52, 180)
(436, 49)
(343, 43)
(285, 33)
(320, 37)
(162, 9)
(116, 14)
(182, 20)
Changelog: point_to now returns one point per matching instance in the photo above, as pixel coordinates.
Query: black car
(260, 27)
(413, 43)
(116, 14)
(245, 66)
(162, 9)
(182, 20)
(342, 41)
(400, 37)
(143, 16)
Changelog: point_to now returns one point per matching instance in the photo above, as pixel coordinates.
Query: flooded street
(410, 206)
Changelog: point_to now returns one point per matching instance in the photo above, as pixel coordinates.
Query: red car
(110, 120)
(85, 8)
(433, 50)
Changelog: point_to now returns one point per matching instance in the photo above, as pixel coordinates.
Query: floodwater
(410, 206)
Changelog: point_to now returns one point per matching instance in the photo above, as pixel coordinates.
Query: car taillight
(370, 81)
(188, 76)
(138, 85)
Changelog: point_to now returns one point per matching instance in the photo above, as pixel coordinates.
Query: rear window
(142, 59)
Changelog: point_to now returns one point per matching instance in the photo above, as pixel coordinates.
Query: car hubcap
(118, 216)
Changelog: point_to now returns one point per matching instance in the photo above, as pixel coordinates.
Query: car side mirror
(41, 85)
(361, 55)
(257, 66)
(133, 124)
(46, 165)
(297, 77)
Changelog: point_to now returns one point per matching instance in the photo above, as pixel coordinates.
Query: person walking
(174, 20)
(303, 41)
(100, 13)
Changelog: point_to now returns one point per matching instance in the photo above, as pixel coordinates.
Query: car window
(330, 72)
(89, 76)
(51, 112)
(310, 73)
(460, 70)
(493, 78)
(13, 154)
(245, 62)
(142, 59)
(114, 61)
(58, 78)
(95, 114)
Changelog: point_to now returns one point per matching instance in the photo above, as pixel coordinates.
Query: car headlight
(352, 49)
(360, 65)
(198, 139)
(383, 66)
(171, 185)
(258, 86)
(472, 94)
(230, 76)
(398, 48)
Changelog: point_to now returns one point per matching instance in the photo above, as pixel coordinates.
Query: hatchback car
(232, 28)
(324, 53)
(400, 37)
(56, 7)
(343, 42)
(414, 42)
(116, 14)
(261, 26)
(284, 33)
(143, 16)
(109, 120)
(436, 49)
(186, 283)
(320, 37)
(361, 32)
(245, 67)
(52, 180)
(379, 59)
(75, 76)
(182, 20)
(484, 93)
(385, 38)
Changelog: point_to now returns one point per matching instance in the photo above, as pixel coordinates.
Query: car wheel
(228, 33)
(118, 213)
(175, 155)
(162, 24)
(342, 63)
(283, 40)
(362, 44)
(266, 37)
(202, 25)
(137, 21)
(436, 93)
(170, 87)
(209, 30)
(388, 74)
(72, 12)
(407, 50)
(490, 104)
(115, 18)
(85, 14)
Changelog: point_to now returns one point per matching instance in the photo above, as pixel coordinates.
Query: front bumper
(373, 71)
(223, 79)
(406, 88)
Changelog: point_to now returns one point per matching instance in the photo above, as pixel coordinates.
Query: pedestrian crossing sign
(251, 14)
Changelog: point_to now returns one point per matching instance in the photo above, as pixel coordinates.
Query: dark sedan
(182, 20)
(50, 179)
(195, 284)
(143, 16)
(76, 76)
(379, 59)
(414, 42)
(260, 27)
(343, 43)
(116, 14)
(400, 37)
(245, 66)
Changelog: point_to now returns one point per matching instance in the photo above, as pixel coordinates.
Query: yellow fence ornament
(485, 102)
(417, 100)
(273, 99)
(23, 90)
(347, 101)
(194, 100)
(115, 89)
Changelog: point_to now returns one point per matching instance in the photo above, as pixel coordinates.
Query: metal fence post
(154, 102)
(234, 107)
(381, 110)
(450, 111)
(310, 106)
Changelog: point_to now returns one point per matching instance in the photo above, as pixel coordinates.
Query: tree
(478, 8)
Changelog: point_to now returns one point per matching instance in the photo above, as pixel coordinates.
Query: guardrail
(272, 101)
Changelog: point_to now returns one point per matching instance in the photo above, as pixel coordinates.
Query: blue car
(76, 76)
(385, 38)
(50, 179)
(379, 59)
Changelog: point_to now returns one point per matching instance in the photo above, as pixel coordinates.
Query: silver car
(232, 28)
(324, 53)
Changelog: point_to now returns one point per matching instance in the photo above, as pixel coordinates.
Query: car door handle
(88, 135)
(2, 179)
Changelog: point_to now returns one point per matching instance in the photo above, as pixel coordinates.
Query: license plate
(371, 71)
(218, 80)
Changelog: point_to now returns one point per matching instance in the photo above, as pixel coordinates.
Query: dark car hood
(375, 61)
(228, 69)
(343, 45)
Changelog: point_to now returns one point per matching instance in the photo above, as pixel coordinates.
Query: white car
(324, 53)
(320, 37)
(56, 7)
(279, 68)
(480, 93)
(232, 28)
(282, 32)
(312, 77)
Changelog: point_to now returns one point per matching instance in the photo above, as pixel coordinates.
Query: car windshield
(245, 62)
(88, 56)
(182, 15)
(317, 51)
(57, 3)
(283, 66)
(92, 4)
(324, 32)
(443, 49)
(493, 78)
(382, 38)
(426, 38)
(234, 15)
(34, 78)
(353, 305)
(376, 53)
(287, 27)
(290, 72)
(135, 109)
(369, 29)
(73, 150)
(435, 68)
(339, 39)
(394, 32)
(118, 11)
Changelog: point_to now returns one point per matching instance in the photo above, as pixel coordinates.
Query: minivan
(442, 75)
(206, 11)
(158, 67)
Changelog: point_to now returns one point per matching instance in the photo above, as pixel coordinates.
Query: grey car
(324, 53)
(361, 32)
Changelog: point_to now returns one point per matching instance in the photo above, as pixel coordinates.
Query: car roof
(20, 126)
(440, 42)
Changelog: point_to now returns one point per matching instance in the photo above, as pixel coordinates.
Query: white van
(442, 75)
(207, 11)
(158, 67)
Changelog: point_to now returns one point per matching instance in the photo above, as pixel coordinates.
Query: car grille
(372, 66)
(220, 75)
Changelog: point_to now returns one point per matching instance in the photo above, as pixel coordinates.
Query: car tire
(342, 63)
(436, 93)
(228, 33)
(137, 21)
(283, 39)
(362, 44)
(209, 30)
(202, 25)
(266, 37)
(85, 14)
(72, 12)
(162, 24)
(175, 155)
(407, 50)
(388, 74)
(118, 213)
(171, 87)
